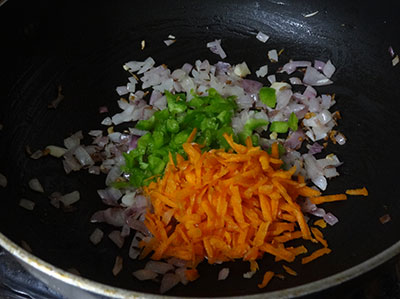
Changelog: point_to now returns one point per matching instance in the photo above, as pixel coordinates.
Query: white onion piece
(318, 212)
(273, 55)
(27, 204)
(137, 132)
(107, 121)
(295, 81)
(117, 265)
(148, 63)
(56, 151)
(158, 267)
(117, 239)
(271, 79)
(133, 66)
(249, 274)
(125, 231)
(262, 71)
(319, 65)
(35, 185)
(94, 170)
(291, 66)
(169, 42)
(168, 281)
(315, 78)
(70, 198)
(37, 154)
(395, 60)
(177, 262)
(110, 196)
(328, 69)
(262, 37)
(320, 182)
(216, 48)
(223, 274)
(181, 272)
(330, 219)
(122, 90)
(128, 199)
(113, 216)
(113, 174)
(96, 236)
(242, 70)
(340, 138)
(144, 274)
(83, 156)
(3, 180)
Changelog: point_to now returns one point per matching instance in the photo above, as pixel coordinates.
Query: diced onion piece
(122, 90)
(181, 272)
(262, 37)
(3, 180)
(223, 274)
(107, 121)
(273, 55)
(144, 274)
(315, 78)
(56, 151)
(37, 154)
(271, 79)
(27, 204)
(330, 219)
(117, 265)
(168, 281)
(35, 185)
(159, 267)
(96, 236)
(116, 237)
(249, 274)
(216, 48)
(70, 198)
(169, 42)
(328, 69)
(295, 81)
(242, 70)
(395, 60)
(262, 71)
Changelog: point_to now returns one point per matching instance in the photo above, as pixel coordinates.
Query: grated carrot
(316, 254)
(362, 191)
(227, 205)
(289, 270)
(266, 279)
(327, 198)
(321, 223)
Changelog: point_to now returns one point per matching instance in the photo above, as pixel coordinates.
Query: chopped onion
(395, 60)
(37, 154)
(330, 219)
(96, 236)
(391, 52)
(27, 204)
(158, 267)
(249, 274)
(83, 156)
(117, 265)
(295, 81)
(216, 48)
(262, 71)
(271, 79)
(122, 90)
(242, 70)
(70, 198)
(113, 216)
(144, 274)
(181, 272)
(116, 237)
(168, 281)
(315, 78)
(56, 151)
(262, 37)
(169, 42)
(3, 180)
(223, 274)
(107, 121)
(273, 55)
(340, 138)
(315, 148)
(319, 65)
(35, 185)
(328, 69)
(291, 66)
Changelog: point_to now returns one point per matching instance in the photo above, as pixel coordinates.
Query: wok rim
(114, 292)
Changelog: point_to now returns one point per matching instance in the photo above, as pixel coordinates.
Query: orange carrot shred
(328, 198)
(289, 270)
(224, 205)
(321, 223)
(266, 279)
(316, 254)
(362, 191)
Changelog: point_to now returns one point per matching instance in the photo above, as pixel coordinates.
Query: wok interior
(82, 48)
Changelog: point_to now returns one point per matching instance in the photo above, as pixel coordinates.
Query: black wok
(82, 46)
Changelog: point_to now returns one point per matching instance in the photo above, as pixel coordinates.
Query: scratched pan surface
(82, 47)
